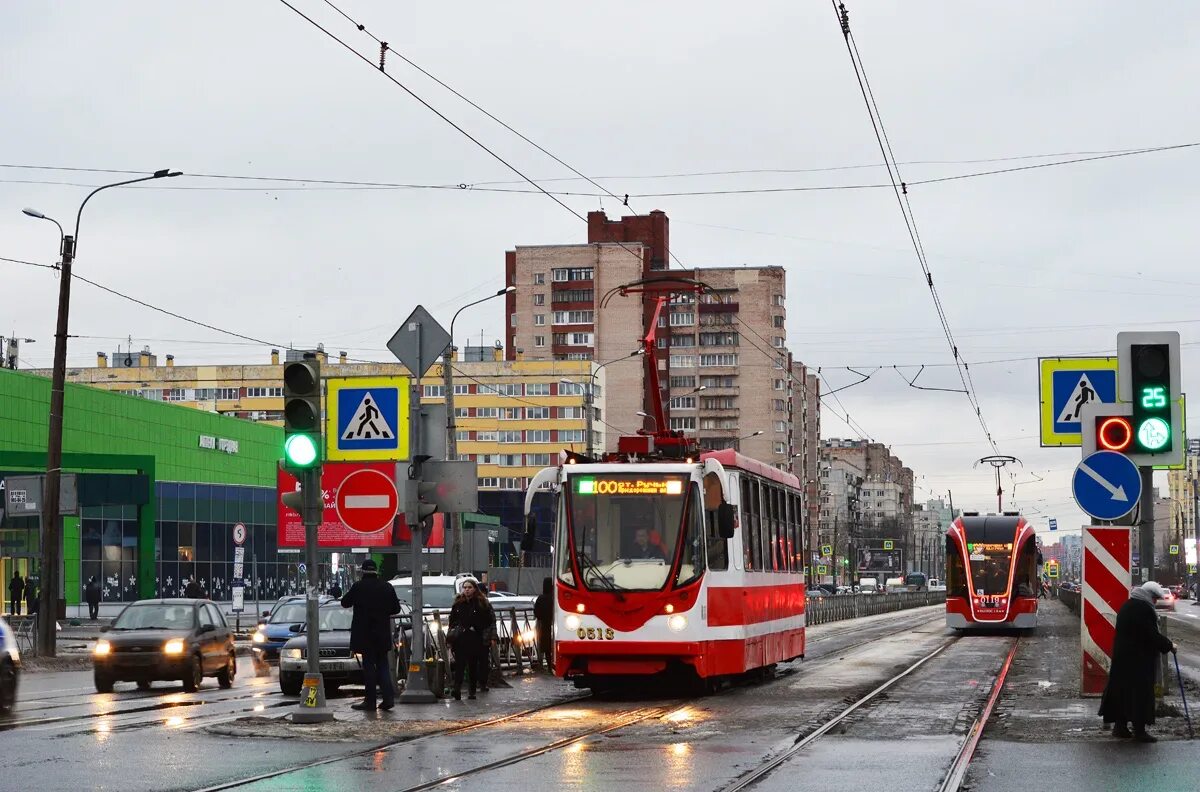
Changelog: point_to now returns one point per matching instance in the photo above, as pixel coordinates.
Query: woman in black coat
(1129, 695)
(471, 620)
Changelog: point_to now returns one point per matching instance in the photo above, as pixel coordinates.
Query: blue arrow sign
(1107, 485)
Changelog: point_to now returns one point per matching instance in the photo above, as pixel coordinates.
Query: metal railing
(514, 650)
(821, 610)
(25, 633)
(1070, 599)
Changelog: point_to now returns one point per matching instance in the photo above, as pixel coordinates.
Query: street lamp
(48, 601)
(589, 394)
(451, 424)
(645, 414)
(12, 352)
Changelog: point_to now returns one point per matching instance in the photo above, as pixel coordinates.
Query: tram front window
(624, 529)
(989, 567)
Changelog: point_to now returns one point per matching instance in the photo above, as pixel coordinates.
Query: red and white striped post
(1107, 576)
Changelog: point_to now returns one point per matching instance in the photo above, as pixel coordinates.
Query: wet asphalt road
(65, 736)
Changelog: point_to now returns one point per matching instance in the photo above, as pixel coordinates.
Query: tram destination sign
(587, 485)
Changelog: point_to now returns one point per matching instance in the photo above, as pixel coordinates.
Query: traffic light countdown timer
(1149, 381)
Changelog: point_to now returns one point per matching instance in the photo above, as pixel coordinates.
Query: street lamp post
(589, 396)
(452, 425)
(51, 558)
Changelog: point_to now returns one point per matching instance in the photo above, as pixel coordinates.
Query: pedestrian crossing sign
(1066, 385)
(366, 418)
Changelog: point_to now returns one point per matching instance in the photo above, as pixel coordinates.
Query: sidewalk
(1044, 734)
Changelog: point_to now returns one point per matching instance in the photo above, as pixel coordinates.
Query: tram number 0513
(595, 634)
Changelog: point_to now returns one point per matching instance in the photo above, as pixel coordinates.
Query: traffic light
(1150, 380)
(419, 496)
(302, 413)
(1114, 433)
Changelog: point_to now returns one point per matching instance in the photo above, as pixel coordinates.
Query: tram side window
(795, 552)
(751, 548)
(1025, 578)
(691, 565)
(773, 534)
(956, 576)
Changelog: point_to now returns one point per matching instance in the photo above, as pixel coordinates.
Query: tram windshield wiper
(590, 566)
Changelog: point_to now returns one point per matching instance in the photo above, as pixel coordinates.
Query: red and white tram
(675, 567)
(991, 572)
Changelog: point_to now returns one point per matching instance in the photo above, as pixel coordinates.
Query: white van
(936, 585)
(868, 585)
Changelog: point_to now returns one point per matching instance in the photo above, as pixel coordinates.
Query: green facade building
(160, 488)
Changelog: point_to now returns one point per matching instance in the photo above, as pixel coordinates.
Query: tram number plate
(990, 602)
(595, 634)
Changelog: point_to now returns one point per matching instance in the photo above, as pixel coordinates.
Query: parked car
(167, 639)
(816, 593)
(10, 668)
(280, 624)
(339, 666)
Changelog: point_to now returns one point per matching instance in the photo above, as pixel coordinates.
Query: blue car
(282, 623)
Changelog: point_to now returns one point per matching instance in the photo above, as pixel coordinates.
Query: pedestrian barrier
(821, 610)
(25, 632)
(1070, 599)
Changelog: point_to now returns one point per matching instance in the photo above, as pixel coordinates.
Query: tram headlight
(573, 622)
(677, 622)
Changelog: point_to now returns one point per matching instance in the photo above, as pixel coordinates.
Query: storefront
(160, 489)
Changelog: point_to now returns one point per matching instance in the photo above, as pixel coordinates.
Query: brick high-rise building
(722, 356)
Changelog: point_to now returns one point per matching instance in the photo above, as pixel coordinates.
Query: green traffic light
(300, 450)
(1153, 434)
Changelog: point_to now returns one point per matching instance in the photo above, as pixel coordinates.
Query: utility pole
(1146, 525)
(51, 552)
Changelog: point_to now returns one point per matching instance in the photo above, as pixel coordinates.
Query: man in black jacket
(374, 602)
(92, 594)
(16, 587)
(1129, 695)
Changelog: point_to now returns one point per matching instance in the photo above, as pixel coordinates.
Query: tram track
(954, 775)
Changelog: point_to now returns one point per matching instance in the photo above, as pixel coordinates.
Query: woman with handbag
(471, 620)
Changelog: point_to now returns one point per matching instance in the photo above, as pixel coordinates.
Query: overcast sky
(1038, 263)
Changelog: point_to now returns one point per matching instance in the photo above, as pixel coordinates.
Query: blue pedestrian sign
(1053, 524)
(367, 418)
(1107, 485)
(1066, 386)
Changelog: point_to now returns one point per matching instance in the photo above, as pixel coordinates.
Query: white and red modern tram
(991, 572)
(675, 567)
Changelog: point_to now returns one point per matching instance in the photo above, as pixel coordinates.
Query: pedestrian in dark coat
(543, 612)
(16, 587)
(335, 591)
(374, 602)
(92, 594)
(31, 595)
(471, 622)
(1129, 695)
(192, 590)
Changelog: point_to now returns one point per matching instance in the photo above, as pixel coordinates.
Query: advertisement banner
(876, 559)
(333, 533)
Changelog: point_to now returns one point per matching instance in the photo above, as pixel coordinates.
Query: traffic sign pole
(1146, 525)
(312, 707)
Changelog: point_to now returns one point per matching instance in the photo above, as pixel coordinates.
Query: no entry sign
(333, 533)
(367, 501)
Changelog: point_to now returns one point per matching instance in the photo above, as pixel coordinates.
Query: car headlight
(102, 648)
(173, 647)
(258, 637)
(678, 622)
(573, 622)
(293, 654)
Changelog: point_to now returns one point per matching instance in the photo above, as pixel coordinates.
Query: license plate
(340, 665)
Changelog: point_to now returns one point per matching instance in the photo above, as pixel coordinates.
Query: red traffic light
(1114, 433)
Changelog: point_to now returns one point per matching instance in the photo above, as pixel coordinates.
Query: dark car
(280, 624)
(10, 668)
(339, 666)
(167, 639)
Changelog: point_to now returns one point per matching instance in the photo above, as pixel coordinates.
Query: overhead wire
(901, 193)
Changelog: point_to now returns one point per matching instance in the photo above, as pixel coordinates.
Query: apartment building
(722, 356)
(840, 514)
(1184, 488)
(512, 416)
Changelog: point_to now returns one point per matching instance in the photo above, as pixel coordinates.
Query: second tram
(991, 572)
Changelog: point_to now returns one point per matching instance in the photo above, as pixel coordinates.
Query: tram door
(8, 565)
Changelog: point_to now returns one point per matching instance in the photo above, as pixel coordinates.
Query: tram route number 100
(595, 634)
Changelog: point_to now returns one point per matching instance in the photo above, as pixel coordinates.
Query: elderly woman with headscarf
(1129, 695)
